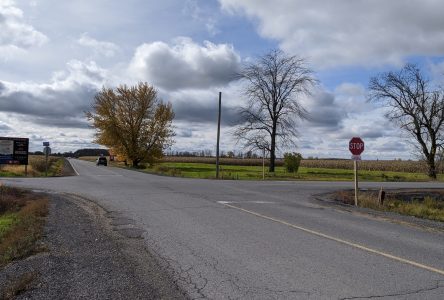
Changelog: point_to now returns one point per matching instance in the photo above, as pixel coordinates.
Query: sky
(56, 55)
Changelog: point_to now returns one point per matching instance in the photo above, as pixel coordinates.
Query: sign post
(356, 147)
(47, 152)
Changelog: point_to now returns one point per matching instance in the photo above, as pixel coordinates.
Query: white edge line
(341, 241)
(72, 166)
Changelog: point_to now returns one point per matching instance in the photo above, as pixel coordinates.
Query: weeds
(427, 207)
(21, 223)
(36, 167)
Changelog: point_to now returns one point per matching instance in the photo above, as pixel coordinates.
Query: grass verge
(426, 206)
(36, 167)
(22, 216)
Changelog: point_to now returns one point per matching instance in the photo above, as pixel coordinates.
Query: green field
(202, 170)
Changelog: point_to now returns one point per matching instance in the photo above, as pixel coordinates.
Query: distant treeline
(78, 153)
(209, 153)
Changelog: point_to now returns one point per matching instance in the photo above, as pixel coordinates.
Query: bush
(292, 162)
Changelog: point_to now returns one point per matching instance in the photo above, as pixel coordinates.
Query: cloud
(346, 32)
(201, 15)
(60, 103)
(324, 112)
(192, 111)
(99, 47)
(4, 127)
(185, 64)
(15, 33)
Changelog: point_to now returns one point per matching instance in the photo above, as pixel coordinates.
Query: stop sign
(356, 146)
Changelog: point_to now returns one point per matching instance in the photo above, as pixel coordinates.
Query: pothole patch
(121, 221)
(133, 233)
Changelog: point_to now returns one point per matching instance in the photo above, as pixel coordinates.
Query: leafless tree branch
(414, 106)
(273, 84)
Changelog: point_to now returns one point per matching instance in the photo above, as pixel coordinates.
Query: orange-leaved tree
(133, 121)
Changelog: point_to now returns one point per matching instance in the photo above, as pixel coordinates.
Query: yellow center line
(351, 244)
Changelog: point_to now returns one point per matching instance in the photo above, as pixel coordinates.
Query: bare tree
(415, 105)
(273, 84)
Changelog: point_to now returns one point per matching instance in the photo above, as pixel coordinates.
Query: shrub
(292, 162)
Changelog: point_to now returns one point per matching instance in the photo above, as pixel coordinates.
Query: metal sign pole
(46, 162)
(356, 182)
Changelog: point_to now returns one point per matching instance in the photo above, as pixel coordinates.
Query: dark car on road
(102, 161)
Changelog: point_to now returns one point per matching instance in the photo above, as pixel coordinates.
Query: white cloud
(338, 116)
(15, 33)
(346, 32)
(99, 47)
(193, 9)
(185, 64)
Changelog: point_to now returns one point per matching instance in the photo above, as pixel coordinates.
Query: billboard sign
(14, 150)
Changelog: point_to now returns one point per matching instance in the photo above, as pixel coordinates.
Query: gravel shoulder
(90, 254)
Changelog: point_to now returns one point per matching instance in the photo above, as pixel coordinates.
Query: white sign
(6, 147)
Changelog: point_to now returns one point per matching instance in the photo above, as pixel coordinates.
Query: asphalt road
(265, 240)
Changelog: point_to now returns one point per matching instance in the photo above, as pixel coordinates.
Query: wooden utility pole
(218, 136)
(263, 164)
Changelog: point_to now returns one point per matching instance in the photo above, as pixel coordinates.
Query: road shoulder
(88, 258)
(327, 199)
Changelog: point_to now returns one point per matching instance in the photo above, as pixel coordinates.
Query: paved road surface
(265, 240)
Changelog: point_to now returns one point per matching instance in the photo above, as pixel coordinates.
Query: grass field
(322, 169)
(234, 172)
(408, 166)
(36, 167)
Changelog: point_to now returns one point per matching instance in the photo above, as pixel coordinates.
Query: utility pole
(218, 136)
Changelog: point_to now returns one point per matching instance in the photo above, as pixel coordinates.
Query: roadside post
(356, 147)
(218, 136)
(263, 164)
(47, 152)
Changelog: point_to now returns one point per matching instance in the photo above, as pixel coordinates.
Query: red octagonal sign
(356, 146)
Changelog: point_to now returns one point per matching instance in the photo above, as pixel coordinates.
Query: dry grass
(19, 236)
(429, 205)
(36, 167)
(223, 161)
(347, 164)
(368, 165)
